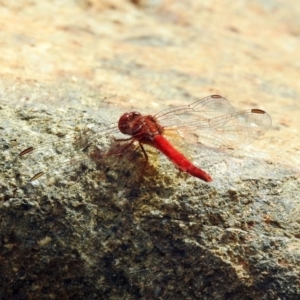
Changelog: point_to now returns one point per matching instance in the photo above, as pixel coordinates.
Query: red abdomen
(160, 143)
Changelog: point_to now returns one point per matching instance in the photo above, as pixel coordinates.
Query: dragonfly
(208, 126)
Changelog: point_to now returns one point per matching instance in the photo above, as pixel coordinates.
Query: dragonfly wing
(198, 113)
(212, 122)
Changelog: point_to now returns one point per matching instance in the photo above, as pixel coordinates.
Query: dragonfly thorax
(142, 128)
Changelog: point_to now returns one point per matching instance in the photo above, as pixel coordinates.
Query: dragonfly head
(128, 123)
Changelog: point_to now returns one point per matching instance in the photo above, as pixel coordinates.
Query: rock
(89, 228)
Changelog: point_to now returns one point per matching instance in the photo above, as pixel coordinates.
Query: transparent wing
(214, 123)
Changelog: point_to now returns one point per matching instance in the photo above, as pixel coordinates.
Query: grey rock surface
(89, 228)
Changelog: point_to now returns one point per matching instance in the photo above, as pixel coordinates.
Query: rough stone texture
(90, 231)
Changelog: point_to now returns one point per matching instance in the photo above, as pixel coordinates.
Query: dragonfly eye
(127, 122)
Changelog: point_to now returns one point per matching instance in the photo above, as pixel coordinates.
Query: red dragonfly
(209, 125)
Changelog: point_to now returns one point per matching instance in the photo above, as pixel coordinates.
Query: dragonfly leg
(146, 160)
(123, 148)
(122, 140)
